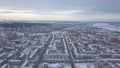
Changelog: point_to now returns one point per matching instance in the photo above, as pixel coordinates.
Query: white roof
(56, 65)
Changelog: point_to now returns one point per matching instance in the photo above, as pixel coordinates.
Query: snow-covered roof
(56, 65)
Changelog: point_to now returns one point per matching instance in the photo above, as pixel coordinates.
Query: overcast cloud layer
(77, 10)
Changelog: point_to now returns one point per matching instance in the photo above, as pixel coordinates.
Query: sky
(61, 10)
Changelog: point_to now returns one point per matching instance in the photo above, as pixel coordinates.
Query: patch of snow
(84, 65)
(107, 26)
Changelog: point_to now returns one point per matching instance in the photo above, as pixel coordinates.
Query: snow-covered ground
(84, 65)
(67, 66)
(77, 65)
(107, 26)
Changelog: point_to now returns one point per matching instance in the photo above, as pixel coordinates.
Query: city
(60, 45)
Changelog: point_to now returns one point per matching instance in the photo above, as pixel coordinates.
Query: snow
(84, 65)
(54, 65)
(107, 26)
(20, 33)
(34, 34)
(67, 66)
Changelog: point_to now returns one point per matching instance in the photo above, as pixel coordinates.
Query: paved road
(40, 59)
(69, 52)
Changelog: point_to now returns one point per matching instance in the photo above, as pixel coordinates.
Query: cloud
(67, 12)
(32, 16)
(14, 11)
(103, 6)
(98, 17)
(63, 15)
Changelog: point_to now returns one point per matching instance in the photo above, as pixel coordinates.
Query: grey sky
(73, 6)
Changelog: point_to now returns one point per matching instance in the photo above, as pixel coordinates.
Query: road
(40, 59)
(69, 52)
